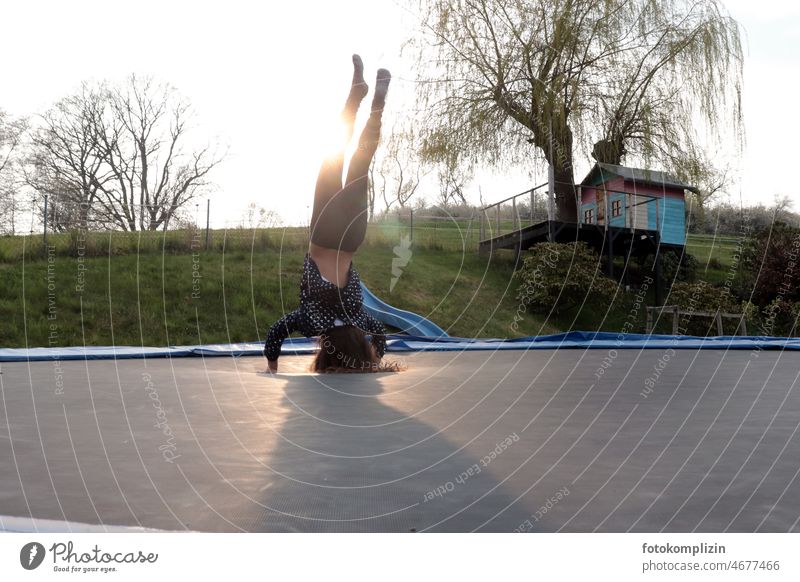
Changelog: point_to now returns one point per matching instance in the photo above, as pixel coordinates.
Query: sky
(267, 81)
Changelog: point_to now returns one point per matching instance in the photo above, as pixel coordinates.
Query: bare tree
(256, 216)
(711, 181)
(782, 208)
(141, 138)
(611, 78)
(64, 159)
(452, 181)
(120, 154)
(11, 133)
(397, 171)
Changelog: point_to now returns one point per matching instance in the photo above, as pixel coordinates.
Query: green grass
(705, 247)
(141, 289)
(149, 298)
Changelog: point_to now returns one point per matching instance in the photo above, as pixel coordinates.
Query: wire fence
(458, 233)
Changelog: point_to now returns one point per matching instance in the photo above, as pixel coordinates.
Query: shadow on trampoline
(345, 460)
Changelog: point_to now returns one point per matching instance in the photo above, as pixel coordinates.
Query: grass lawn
(183, 298)
(131, 289)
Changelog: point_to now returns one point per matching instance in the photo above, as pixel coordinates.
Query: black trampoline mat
(541, 440)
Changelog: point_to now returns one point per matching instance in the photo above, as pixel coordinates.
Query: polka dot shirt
(322, 306)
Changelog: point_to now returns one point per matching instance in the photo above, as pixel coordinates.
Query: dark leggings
(339, 219)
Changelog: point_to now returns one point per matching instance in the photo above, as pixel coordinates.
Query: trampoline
(544, 440)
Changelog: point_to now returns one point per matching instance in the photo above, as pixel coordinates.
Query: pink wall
(589, 195)
(653, 190)
(619, 184)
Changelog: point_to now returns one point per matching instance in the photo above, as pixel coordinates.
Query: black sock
(358, 88)
(382, 81)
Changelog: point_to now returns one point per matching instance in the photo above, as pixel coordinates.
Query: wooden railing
(677, 312)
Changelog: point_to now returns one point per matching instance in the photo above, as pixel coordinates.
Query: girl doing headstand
(331, 307)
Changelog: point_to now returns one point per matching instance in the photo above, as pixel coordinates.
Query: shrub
(675, 266)
(779, 318)
(696, 297)
(560, 276)
(701, 297)
(771, 264)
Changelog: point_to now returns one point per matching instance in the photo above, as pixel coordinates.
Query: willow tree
(610, 78)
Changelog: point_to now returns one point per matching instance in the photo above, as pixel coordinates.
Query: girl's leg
(339, 221)
(329, 180)
(354, 195)
(368, 142)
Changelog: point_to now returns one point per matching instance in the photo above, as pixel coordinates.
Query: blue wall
(616, 220)
(672, 217)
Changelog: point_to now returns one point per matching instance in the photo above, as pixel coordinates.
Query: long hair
(346, 348)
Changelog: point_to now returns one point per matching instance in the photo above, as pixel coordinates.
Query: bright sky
(268, 80)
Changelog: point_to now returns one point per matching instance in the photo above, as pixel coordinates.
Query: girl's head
(346, 348)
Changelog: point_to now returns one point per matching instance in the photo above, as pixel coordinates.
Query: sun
(332, 138)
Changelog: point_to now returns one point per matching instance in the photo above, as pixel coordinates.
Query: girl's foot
(358, 88)
(382, 81)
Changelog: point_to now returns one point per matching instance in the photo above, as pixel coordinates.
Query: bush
(779, 318)
(696, 297)
(560, 276)
(702, 297)
(675, 266)
(771, 265)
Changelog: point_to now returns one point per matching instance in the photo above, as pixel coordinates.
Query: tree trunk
(609, 151)
(701, 213)
(565, 191)
(566, 195)
(566, 206)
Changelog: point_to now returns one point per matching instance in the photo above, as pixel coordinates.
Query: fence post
(514, 214)
(412, 224)
(658, 218)
(649, 325)
(675, 317)
(208, 219)
(497, 220)
(532, 202)
(45, 224)
(720, 330)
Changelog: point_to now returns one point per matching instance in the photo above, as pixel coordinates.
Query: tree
(11, 133)
(118, 153)
(782, 208)
(771, 265)
(709, 180)
(256, 216)
(452, 181)
(64, 160)
(396, 172)
(612, 78)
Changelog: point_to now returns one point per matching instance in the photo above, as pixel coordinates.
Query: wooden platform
(609, 240)
(640, 241)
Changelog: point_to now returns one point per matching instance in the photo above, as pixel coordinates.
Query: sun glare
(331, 138)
